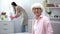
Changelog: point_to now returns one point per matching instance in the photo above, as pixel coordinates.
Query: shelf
(55, 18)
(53, 7)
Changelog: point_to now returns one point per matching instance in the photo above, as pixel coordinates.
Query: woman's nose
(36, 9)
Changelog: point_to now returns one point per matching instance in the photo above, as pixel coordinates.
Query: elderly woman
(40, 24)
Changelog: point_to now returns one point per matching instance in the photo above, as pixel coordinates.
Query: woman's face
(37, 11)
(13, 6)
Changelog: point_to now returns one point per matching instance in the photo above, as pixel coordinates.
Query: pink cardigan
(43, 27)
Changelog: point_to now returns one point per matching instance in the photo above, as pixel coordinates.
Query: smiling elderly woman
(40, 24)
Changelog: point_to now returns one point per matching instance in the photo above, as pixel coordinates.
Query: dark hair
(13, 3)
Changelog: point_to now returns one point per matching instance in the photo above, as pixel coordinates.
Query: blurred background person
(40, 24)
(19, 11)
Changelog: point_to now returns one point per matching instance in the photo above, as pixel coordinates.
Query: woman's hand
(17, 15)
(12, 17)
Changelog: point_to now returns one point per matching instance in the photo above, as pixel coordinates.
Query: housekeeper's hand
(12, 17)
(16, 16)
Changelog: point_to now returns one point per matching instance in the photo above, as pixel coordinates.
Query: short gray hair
(37, 5)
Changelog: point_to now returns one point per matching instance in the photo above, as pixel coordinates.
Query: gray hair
(37, 5)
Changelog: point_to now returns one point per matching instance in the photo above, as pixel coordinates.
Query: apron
(17, 24)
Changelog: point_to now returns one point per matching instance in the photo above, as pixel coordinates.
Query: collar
(39, 17)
